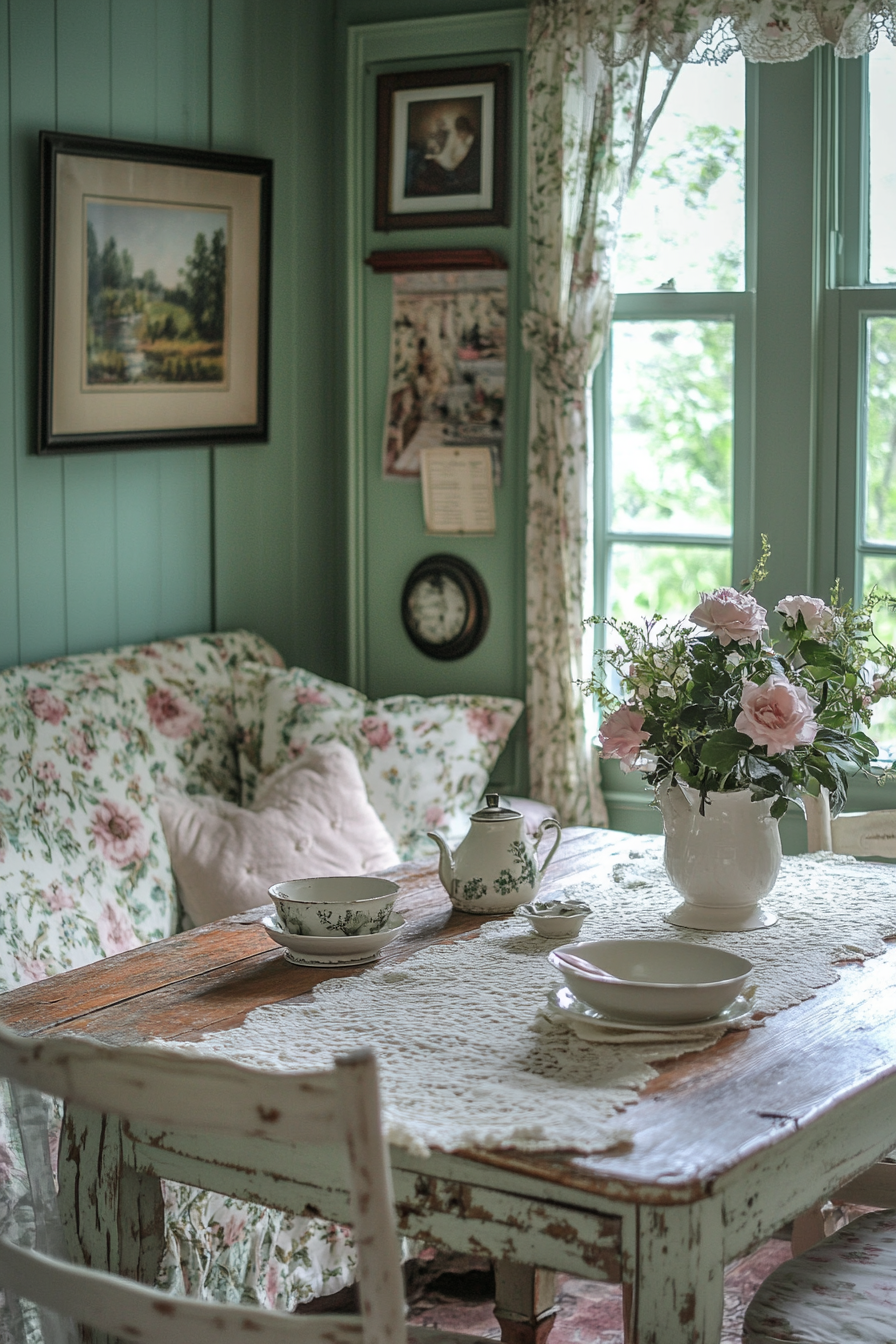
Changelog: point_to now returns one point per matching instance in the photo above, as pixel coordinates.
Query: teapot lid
(493, 811)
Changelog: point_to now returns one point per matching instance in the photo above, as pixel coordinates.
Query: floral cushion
(425, 762)
(842, 1290)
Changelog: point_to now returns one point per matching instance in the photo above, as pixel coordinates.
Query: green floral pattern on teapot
(495, 868)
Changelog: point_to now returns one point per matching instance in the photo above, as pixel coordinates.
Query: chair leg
(524, 1302)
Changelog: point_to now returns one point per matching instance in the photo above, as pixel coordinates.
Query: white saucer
(565, 1002)
(302, 950)
(719, 919)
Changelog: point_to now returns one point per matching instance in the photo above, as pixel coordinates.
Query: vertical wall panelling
(117, 547)
(182, 118)
(275, 507)
(39, 482)
(9, 560)
(83, 42)
(387, 531)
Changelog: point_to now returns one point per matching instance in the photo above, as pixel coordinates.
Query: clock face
(438, 608)
(444, 607)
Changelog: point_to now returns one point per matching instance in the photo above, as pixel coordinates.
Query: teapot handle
(548, 824)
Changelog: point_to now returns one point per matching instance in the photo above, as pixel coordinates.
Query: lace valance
(712, 30)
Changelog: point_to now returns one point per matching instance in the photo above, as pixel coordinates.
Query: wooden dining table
(727, 1144)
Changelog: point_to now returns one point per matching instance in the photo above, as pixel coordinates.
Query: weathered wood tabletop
(728, 1144)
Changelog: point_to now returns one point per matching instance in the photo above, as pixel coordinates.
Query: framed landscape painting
(155, 266)
(441, 148)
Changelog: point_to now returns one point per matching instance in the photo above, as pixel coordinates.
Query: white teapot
(494, 868)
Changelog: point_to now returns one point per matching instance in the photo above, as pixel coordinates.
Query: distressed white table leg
(113, 1216)
(677, 1294)
(524, 1302)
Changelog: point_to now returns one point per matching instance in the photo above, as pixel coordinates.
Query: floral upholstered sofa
(85, 873)
(85, 742)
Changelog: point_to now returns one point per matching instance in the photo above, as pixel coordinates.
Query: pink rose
(171, 715)
(119, 834)
(434, 816)
(7, 1162)
(57, 898)
(115, 930)
(622, 736)
(777, 715)
(234, 1227)
(46, 706)
(31, 969)
(489, 725)
(307, 695)
(816, 616)
(377, 732)
(80, 747)
(272, 1284)
(730, 615)
(47, 772)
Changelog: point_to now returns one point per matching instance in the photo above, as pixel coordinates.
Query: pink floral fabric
(424, 762)
(840, 1292)
(85, 874)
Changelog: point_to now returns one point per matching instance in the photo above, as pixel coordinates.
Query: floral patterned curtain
(587, 127)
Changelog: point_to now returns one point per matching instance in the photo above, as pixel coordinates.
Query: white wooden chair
(841, 1283)
(213, 1096)
(866, 835)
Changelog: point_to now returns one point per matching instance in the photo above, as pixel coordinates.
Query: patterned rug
(587, 1312)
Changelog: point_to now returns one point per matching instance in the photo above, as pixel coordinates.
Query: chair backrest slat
(189, 1092)
(199, 1095)
(865, 835)
(127, 1310)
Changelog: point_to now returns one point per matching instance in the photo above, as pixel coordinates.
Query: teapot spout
(446, 861)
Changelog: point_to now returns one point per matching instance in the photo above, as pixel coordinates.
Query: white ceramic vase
(722, 862)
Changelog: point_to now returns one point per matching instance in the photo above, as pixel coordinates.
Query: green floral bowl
(335, 907)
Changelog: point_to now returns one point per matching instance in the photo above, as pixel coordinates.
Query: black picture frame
(480, 99)
(174, 359)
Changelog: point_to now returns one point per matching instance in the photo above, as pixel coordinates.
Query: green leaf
(812, 786)
(721, 751)
(779, 807)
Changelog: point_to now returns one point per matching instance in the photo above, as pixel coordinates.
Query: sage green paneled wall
(385, 525)
(111, 547)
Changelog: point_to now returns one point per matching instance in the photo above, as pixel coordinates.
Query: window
(750, 382)
(667, 499)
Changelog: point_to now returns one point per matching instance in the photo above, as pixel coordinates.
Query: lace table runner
(467, 1051)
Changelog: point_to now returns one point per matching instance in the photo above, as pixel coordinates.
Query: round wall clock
(444, 607)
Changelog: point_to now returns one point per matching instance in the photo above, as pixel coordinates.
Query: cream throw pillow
(310, 819)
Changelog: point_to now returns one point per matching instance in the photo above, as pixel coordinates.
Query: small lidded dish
(335, 907)
(555, 919)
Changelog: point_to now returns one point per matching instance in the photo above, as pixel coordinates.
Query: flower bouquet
(711, 702)
(710, 705)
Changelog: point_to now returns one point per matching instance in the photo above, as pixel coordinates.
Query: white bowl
(334, 907)
(657, 981)
(555, 919)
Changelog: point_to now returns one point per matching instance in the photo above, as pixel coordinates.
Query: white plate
(565, 1002)
(316, 951)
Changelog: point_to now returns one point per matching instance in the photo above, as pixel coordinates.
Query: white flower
(665, 691)
(817, 618)
(734, 660)
(643, 692)
(679, 675)
(659, 661)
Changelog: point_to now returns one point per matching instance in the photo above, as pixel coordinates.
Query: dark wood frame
(436, 259)
(386, 86)
(51, 145)
(478, 612)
